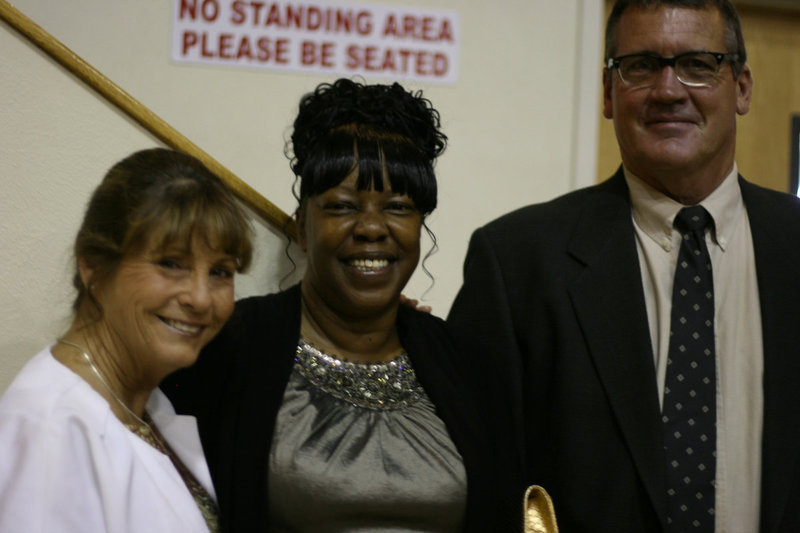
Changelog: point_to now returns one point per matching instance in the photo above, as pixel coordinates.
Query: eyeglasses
(693, 69)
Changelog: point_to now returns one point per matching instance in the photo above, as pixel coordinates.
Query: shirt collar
(654, 212)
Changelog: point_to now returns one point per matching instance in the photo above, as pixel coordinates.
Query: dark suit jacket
(236, 388)
(554, 292)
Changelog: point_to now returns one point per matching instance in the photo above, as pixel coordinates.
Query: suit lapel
(610, 308)
(778, 272)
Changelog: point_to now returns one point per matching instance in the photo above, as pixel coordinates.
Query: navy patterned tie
(690, 390)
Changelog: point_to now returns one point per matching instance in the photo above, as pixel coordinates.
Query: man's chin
(671, 152)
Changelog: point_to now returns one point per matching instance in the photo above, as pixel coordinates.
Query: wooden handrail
(141, 114)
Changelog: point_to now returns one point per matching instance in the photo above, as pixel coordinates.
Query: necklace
(380, 386)
(148, 432)
(142, 429)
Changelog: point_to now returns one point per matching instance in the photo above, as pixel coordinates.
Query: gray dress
(359, 447)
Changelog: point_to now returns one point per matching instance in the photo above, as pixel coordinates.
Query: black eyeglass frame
(614, 62)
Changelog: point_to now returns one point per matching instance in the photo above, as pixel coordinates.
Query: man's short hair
(734, 40)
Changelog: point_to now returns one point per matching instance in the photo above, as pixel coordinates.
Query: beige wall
(522, 122)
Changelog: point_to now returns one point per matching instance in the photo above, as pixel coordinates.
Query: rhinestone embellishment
(377, 386)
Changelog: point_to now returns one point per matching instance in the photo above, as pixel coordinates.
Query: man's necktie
(690, 390)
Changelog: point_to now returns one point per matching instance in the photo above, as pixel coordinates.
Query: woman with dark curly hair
(341, 409)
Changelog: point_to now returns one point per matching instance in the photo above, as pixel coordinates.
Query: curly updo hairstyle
(379, 130)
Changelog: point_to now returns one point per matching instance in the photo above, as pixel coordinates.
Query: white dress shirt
(70, 466)
(737, 321)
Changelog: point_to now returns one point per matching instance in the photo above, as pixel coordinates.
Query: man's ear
(744, 90)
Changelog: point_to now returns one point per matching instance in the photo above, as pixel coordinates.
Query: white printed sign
(337, 39)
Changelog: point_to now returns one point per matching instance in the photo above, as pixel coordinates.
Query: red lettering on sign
(364, 22)
(263, 49)
(395, 46)
(313, 18)
(396, 61)
(238, 15)
(308, 53)
(424, 64)
(429, 29)
(390, 28)
(446, 32)
(280, 51)
(294, 17)
(410, 26)
(230, 47)
(240, 12)
(441, 64)
(269, 50)
(189, 40)
(274, 16)
(244, 49)
(225, 45)
(204, 51)
(321, 54)
(257, 6)
(300, 16)
(209, 10)
(188, 8)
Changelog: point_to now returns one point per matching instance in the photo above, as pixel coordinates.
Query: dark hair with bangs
(734, 39)
(157, 194)
(382, 131)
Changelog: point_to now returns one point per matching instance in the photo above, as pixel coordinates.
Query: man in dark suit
(571, 301)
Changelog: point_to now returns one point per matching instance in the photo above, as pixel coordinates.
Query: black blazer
(236, 388)
(554, 291)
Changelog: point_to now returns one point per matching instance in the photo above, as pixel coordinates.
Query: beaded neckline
(377, 386)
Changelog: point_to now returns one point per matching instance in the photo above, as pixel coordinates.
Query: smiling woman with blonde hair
(89, 444)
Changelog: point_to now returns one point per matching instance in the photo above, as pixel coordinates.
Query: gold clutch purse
(539, 515)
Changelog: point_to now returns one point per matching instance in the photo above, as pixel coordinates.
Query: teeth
(186, 328)
(369, 264)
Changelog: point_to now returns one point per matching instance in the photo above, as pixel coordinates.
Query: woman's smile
(362, 246)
